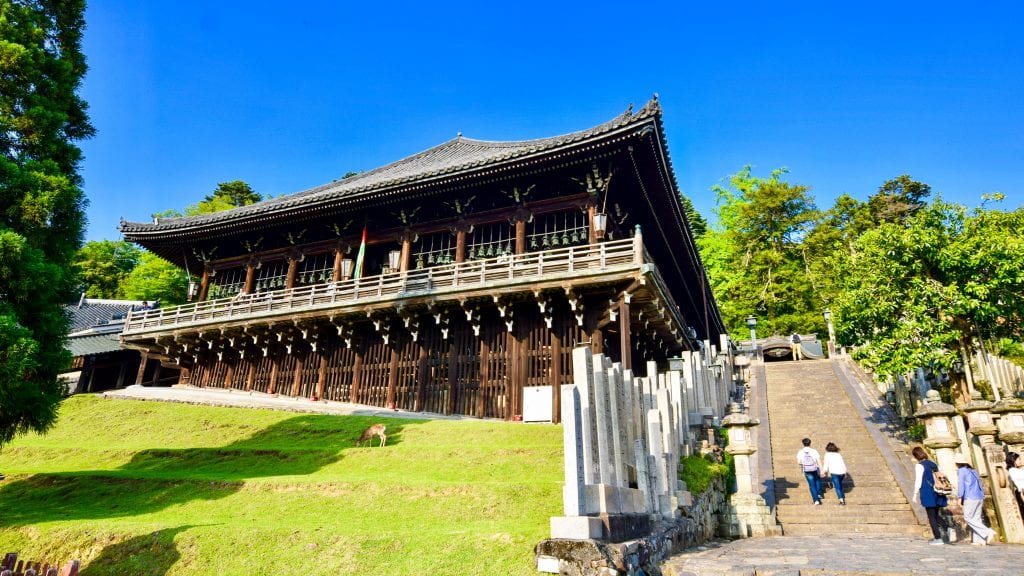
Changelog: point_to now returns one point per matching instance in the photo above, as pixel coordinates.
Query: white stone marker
(583, 374)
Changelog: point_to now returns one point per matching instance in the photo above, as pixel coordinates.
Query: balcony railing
(576, 261)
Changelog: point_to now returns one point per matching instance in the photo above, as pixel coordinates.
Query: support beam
(625, 338)
(142, 367)
(293, 268)
(250, 276)
(460, 246)
(204, 285)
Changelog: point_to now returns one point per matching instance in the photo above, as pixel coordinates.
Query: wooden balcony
(559, 267)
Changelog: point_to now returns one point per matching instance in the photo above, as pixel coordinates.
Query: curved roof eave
(459, 158)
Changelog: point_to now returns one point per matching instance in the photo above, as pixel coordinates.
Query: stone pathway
(844, 555)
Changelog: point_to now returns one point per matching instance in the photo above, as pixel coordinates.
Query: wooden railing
(570, 262)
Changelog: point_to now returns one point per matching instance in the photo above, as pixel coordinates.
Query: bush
(699, 471)
(915, 432)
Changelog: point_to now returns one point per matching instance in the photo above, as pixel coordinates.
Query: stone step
(849, 514)
(827, 529)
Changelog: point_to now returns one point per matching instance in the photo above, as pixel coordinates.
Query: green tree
(228, 195)
(916, 292)
(103, 265)
(155, 279)
(755, 258)
(698, 224)
(41, 202)
(898, 199)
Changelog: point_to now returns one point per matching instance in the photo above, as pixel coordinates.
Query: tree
(698, 225)
(41, 202)
(228, 195)
(898, 199)
(155, 279)
(103, 265)
(754, 257)
(916, 292)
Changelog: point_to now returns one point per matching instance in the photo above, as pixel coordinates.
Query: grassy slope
(150, 488)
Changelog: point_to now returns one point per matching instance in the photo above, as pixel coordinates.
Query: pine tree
(41, 202)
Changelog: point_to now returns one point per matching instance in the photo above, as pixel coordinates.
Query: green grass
(151, 488)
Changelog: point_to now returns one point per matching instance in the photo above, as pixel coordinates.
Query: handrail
(491, 271)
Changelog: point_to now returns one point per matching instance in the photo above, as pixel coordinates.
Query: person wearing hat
(971, 498)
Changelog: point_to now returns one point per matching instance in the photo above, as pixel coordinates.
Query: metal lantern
(394, 259)
(600, 225)
(346, 268)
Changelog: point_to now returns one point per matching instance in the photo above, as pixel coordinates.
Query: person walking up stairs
(806, 400)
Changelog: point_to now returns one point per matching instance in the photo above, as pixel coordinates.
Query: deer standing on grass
(375, 430)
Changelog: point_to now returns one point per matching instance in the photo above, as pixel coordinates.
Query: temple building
(451, 281)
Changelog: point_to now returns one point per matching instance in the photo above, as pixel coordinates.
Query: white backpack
(808, 461)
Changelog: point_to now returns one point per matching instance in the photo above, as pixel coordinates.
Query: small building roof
(90, 313)
(96, 343)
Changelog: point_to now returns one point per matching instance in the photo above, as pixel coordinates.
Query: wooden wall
(465, 374)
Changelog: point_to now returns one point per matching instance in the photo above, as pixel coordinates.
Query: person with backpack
(925, 472)
(810, 463)
(794, 344)
(835, 466)
(972, 496)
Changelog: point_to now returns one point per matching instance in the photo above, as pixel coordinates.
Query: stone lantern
(1010, 412)
(979, 418)
(940, 435)
(746, 513)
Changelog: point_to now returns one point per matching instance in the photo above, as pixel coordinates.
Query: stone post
(940, 437)
(1010, 412)
(747, 515)
(983, 429)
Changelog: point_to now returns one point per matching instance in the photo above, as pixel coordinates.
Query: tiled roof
(87, 345)
(92, 312)
(455, 156)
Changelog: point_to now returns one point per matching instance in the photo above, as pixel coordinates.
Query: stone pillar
(983, 428)
(1010, 412)
(940, 437)
(575, 524)
(747, 515)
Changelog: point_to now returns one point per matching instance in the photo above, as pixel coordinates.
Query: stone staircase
(806, 399)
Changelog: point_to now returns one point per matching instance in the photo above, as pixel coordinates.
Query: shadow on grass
(159, 478)
(150, 554)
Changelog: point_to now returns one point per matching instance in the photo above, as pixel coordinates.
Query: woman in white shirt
(1016, 474)
(835, 466)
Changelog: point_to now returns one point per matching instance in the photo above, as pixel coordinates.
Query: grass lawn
(153, 488)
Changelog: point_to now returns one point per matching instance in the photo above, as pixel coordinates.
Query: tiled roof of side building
(454, 156)
(94, 312)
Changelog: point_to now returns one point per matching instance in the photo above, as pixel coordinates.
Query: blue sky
(187, 94)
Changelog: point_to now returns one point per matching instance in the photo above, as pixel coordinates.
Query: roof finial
(459, 134)
(629, 110)
(655, 97)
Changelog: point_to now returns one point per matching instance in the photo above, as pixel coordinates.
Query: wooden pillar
(357, 374)
(453, 374)
(250, 276)
(556, 372)
(142, 367)
(625, 338)
(520, 236)
(422, 377)
(293, 268)
(403, 265)
(272, 385)
(591, 232)
(393, 375)
(597, 341)
(297, 378)
(250, 377)
(485, 372)
(229, 375)
(184, 376)
(339, 255)
(120, 376)
(204, 285)
(321, 377)
(460, 246)
(156, 373)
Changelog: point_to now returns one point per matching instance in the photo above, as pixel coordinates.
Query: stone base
(622, 527)
(577, 528)
(747, 516)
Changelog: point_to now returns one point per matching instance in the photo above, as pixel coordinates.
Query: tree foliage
(155, 279)
(226, 196)
(754, 256)
(103, 265)
(41, 202)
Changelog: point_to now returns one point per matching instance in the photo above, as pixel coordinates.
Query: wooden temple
(449, 281)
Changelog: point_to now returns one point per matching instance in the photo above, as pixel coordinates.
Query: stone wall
(697, 524)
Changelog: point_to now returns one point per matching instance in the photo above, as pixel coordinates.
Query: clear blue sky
(287, 96)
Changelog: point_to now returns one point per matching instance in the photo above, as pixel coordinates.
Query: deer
(375, 430)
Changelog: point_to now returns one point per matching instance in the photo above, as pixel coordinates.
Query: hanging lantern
(346, 268)
(394, 259)
(533, 242)
(565, 238)
(547, 241)
(600, 225)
